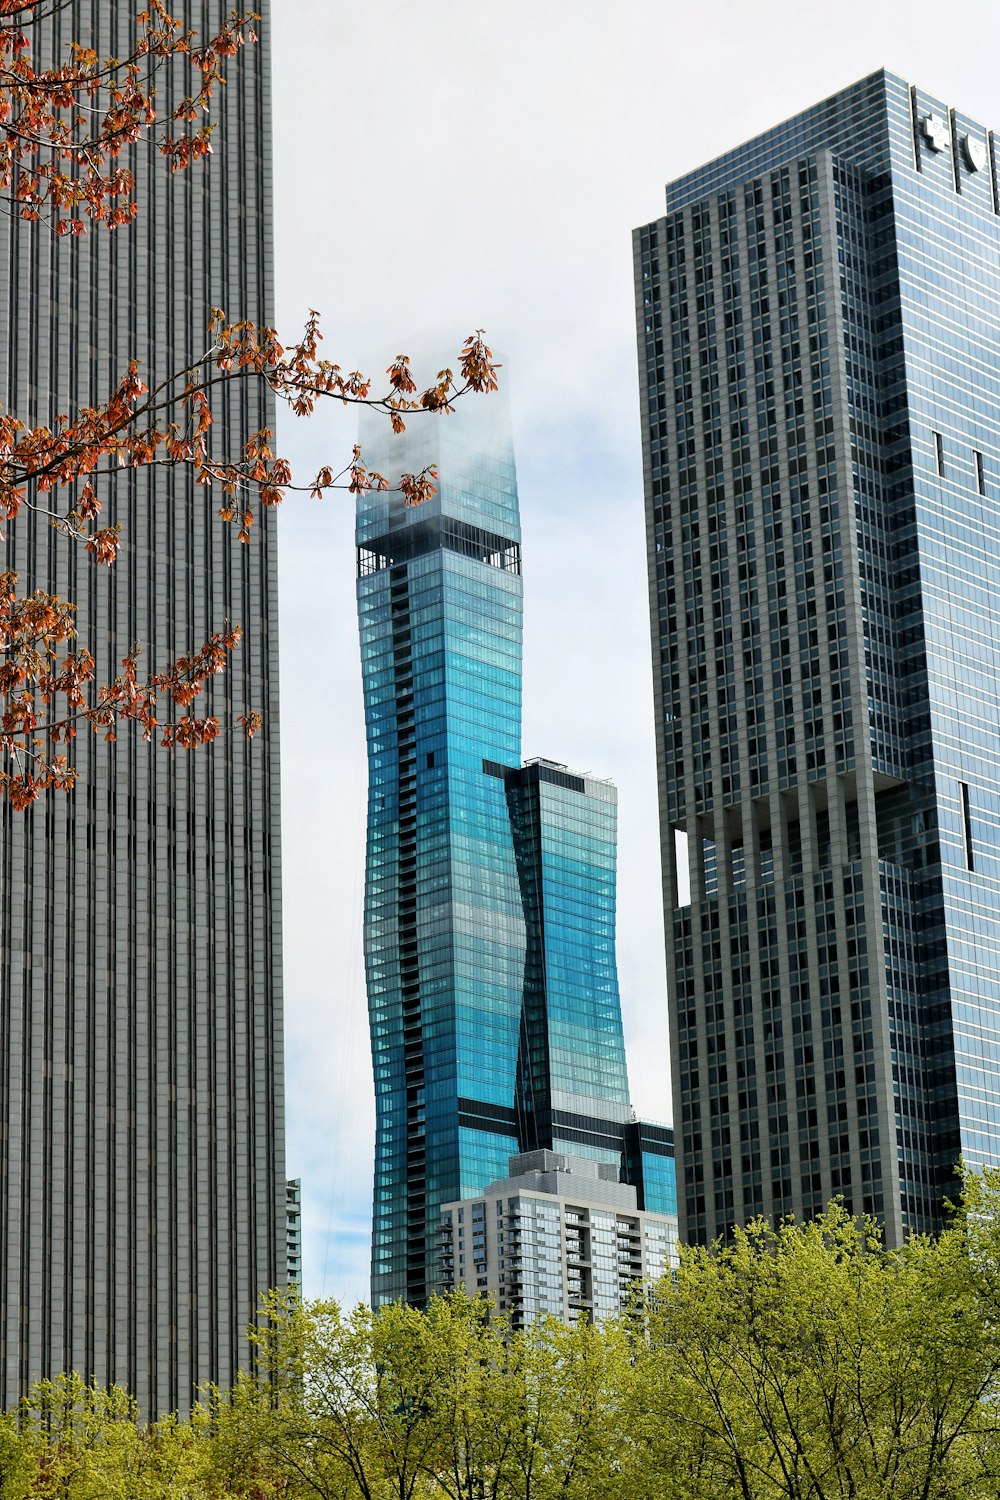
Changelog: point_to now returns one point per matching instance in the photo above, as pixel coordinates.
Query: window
(963, 792)
(939, 452)
(980, 471)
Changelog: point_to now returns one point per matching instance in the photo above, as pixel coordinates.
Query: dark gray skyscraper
(142, 1184)
(819, 334)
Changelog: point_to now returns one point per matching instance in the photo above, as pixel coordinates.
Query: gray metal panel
(142, 1176)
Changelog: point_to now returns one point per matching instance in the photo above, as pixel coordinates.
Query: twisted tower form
(490, 893)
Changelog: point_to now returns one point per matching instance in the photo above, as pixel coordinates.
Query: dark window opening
(371, 562)
(766, 858)
(939, 452)
(980, 471)
(415, 540)
(710, 866)
(963, 792)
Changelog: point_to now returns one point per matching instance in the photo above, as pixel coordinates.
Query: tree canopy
(798, 1362)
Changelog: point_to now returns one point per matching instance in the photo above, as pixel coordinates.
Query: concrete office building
(561, 1235)
(819, 336)
(490, 889)
(142, 1178)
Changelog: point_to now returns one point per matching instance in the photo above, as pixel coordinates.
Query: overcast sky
(445, 166)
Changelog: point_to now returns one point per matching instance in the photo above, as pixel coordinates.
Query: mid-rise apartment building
(293, 1231)
(560, 1235)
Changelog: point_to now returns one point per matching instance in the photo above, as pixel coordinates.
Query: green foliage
(447, 1402)
(78, 1441)
(798, 1362)
(18, 1465)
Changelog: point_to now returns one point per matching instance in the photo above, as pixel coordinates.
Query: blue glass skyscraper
(571, 1058)
(489, 909)
(571, 1089)
(819, 331)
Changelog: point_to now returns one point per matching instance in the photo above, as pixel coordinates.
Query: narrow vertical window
(939, 452)
(766, 858)
(682, 867)
(963, 792)
(980, 471)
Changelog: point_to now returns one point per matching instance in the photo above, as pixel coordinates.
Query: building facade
(439, 599)
(293, 1231)
(560, 1235)
(571, 1083)
(141, 1129)
(819, 334)
(490, 892)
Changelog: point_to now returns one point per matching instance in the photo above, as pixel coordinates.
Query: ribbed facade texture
(490, 891)
(819, 335)
(141, 1130)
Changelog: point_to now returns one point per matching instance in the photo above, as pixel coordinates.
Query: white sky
(440, 167)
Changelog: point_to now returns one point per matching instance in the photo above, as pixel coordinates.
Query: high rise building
(571, 1083)
(561, 1235)
(819, 326)
(141, 1131)
(293, 1231)
(490, 895)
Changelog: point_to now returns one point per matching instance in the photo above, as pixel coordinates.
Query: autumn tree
(69, 126)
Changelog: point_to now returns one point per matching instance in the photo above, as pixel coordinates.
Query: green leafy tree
(575, 1389)
(88, 1442)
(446, 1402)
(344, 1404)
(18, 1461)
(798, 1362)
(808, 1362)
